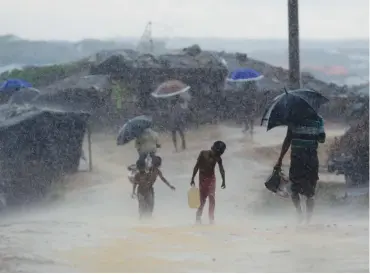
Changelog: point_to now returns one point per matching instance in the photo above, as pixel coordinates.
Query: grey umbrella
(133, 129)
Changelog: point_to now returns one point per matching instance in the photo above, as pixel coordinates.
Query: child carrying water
(206, 163)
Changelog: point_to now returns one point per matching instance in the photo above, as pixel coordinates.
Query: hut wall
(37, 151)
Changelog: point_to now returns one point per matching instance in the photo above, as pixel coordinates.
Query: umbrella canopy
(293, 107)
(170, 88)
(24, 95)
(244, 75)
(133, 129)
(12, 84)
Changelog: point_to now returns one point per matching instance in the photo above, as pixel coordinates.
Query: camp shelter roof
(98, 82)
(13, 114)
(182, 59)
(24, 95)
(103, 55)
(79, 92)
(364, 91)
(188, 58)
(276, 78)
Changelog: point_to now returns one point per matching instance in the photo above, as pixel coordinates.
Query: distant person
(147, 144)
(177, 117)
(249, 106)
(304, 163)
(206, 163)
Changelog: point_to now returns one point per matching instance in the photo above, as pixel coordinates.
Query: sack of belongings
(278, 183)
(132, 169)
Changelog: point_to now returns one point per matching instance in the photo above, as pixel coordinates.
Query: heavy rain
(171, 154)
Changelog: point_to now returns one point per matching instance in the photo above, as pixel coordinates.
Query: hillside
(15, 50)
(276, 77)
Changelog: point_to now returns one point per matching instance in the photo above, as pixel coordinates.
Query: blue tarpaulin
(12, 84)
(244, 75)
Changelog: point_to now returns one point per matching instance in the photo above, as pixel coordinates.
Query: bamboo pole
(294, 59)
(89, 145)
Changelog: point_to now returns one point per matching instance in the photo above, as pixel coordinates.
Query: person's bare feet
(300, 218)
(308, 219)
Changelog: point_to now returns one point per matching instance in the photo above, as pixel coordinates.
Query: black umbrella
(293, 107)
(133, 129)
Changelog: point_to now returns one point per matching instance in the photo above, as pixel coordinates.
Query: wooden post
(89, 145)
(294, 59)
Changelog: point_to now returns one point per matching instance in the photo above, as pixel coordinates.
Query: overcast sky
(77, 19)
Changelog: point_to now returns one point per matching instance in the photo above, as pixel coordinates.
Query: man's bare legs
(182, 136)
(174, 139)
(297, 204)
(310, 204)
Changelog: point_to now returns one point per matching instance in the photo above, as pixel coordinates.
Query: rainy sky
(77, 19)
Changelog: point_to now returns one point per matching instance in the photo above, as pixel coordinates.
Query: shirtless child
(147, 180)
(155, 172)
(144, 189)
(206, 163)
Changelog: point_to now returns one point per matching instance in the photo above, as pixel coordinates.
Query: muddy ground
(91, 224)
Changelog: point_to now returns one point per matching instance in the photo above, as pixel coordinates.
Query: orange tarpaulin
(330, 70)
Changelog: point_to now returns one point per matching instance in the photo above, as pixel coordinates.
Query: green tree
(46, 75)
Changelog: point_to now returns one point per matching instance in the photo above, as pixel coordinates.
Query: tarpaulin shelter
(37, 146)
(201, 70)
(24, 96)
(78, 92)
(14, 84)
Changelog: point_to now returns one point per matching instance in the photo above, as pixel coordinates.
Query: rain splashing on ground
(92, 223)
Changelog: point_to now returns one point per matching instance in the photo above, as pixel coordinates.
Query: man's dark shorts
(304, 171)
(177, 123)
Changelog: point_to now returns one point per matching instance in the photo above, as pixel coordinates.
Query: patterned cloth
(308, 134)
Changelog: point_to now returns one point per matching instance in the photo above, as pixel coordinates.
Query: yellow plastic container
(193, 197)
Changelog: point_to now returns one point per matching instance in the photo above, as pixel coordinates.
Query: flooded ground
(91, 224)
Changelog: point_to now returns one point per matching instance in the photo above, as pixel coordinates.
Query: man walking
(177, 116)
(304, 164)
(249, 106)
(147, 144)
